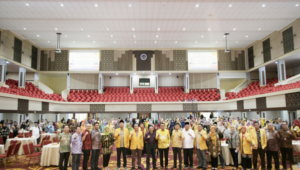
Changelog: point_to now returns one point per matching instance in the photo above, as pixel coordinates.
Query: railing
(3, 84)
(238, 88)
(65, 93)
(222, 94)
(289, 80)
(43, 87)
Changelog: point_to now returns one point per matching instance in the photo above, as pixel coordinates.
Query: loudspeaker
(177, 76)
(109, 77)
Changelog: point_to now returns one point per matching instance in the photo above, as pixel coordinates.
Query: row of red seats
(254, 88)
(30, 90)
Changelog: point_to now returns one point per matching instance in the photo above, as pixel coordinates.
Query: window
(144, 82)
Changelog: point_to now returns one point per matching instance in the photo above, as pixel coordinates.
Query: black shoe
(166, 167)
(180, 168)
(173, 167)
(133, 168)
(140, 168)
(185, 167)
(199, 167)
(155, 168)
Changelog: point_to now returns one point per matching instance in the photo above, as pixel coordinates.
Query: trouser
(261, 153)
(163, 152)
(86, 156)
(151, 152)
(188, 155)
(201, 155)
(95, 158)
(177, 151)
(214, 162)
(222, 158)
(106, 160)
(285, 151)
(75, 161)
(63, 158)
(138, 153)
(275, 156)
(122, 150)
(144, 149)
(38, 140)
(235, 157)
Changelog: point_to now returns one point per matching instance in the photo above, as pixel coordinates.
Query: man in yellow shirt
(122, 143)
(201, 147)
(177, 137)
(259, 143)
(163, 137)
(136, 146)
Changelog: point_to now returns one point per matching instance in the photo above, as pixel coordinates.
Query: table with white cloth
(23, 141)
(226, 155)
(52, 135)
(2, 150)
(50, 155)
(296, 146)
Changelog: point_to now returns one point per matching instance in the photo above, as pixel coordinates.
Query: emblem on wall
(143, 56)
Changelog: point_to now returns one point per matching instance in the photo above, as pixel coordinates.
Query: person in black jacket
(4, 132)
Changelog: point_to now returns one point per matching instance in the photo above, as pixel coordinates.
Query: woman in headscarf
(245, 148)
(221, 127)
(263, 122)
(214, 147)
(107, 140)
(82, 126)
(59, 125)
(50, 128)
(146, 123)
(23, 126)
(111, 127)
(295, 129)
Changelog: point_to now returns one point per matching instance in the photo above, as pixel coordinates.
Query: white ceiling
(41, 17)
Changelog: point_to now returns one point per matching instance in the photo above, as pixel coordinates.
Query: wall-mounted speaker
(177, 76)
(109, 77)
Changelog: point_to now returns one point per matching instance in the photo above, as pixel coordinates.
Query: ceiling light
(55, 28)
(169, 73)
(48, 41)
(196, 42)
(197, 5)
(183, 29)
(6, 62)
(24, 28)
(175, 41)
(89, 36)
(134, 36)
(61, 5)
(134, 73)
(276, 62)
(263, 5)
(201, 36)
(230, 6)
(132, 29)
(129, 5)
(94, 41)
(208, 29)
(144, 72)
(81, 29)
(151, 73)
(297, 4)
(73, 41)
(155, 42)
(65, 35)
(158, 29)
(38, 35)
(246, 36)
(134, 41)
(156, 36)
(233, 29)
(223, 36)
(259, 29)
(117, 74)
(107, 29)
(216, 41)
(114, 41)
(111, 36)
(27, 4)
(236, 42)
(96, 5)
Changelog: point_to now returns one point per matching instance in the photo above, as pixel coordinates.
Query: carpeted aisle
(22, 164)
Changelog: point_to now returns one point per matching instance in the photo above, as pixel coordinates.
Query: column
(2, 70)
(262, 76)
(218, 81)
(186, 83)
(100, 83)
(1, 116)
(68, 81)
(36, 77)
(130, 81)
(156, 83)
(281, 71)
(22, 75)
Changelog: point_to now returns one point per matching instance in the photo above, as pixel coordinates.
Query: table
(23, 141)
(2, 150)
(52, 135)
(50, 155)
(226, 155)
(296, 146)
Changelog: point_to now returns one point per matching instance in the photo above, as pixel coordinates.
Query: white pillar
(130, 82)
(284, 115)
(262, 76)
(281, 71)
(36, 77)
(218, 81)
(156, 83)
(22, 75)
(186, 83)
(100, 83)
(1, 116)
(2, 70)
(68, 81)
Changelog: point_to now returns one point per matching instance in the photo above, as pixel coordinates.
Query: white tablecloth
(50, 155)
(23, 141)
(52, 135)
(226, 155)
(296, 146)
(2, 150)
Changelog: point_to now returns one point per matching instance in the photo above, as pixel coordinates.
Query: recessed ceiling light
(134, 36)
(236, 42)
(48, 41)
(132, 29)
(155, 42)
(117, 74)
(81, 29)
(263, 5)
(233, 29)
(156, 36)
(151, 73)
(114, 41)
(6, 62)
(297, 4)
(134, 41)
(197, 5)
(24, 28)
(73, 41)
(66, 36)
(216, 41)
(89, 36)
(111, 36)
(134, 73)
(38, 35)
(27, 4)
(61, 5)
(175, 41)
(107, 29)
(223, 36)
(55, 28)
(169, 73)
(94, 41)
(158, 29)
(276, 62)
(247, 36)
(201, 36)
(196, 42)
(96, 5)
(183, 29)
(208, 29)
(144, 72)
(230, 6)
(129, 5)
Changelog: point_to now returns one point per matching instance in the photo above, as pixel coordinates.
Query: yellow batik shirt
(177, 138)
(163, 139)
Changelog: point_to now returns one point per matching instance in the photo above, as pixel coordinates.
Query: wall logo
(143, 56)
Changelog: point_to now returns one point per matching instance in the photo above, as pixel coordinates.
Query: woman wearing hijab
(23, 126)
(214, 147)
(50, 128)
(245, 148)
(107, 140)
(59, 125)
(233, 145)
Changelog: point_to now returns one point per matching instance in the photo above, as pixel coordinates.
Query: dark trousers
(64, 158)
(95, 158)
(163, 152)
(38, 140)
(123, 151)
(188, 155)
(4, 139)
(151, 152)
(136, 153)
(106, 160)
(275, 156)
(86, 156)
(214, 162)
(75, 161)
(177, 151)
(285, 151)
(261, 153)
(235, 157)
(144, 150)
(222, 158)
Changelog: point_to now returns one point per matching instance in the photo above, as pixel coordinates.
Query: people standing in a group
(151, 147)
(64, 147)
(76, 149)
(177, 139)
(163, 137)
(136, 146)
(122, 143)
(272, 148)
(285, 144)
(245, 147)
(188, 146)
(234, 145)
(107, 140)
(214, 147)
(259, 143)
(87, 146)
(201, 147)
(96, 142)
(277, 125)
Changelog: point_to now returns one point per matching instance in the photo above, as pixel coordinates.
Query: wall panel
(205, 80)
(84, 81)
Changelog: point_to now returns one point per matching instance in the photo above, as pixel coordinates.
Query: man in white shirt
(36, 132)
(188, 145)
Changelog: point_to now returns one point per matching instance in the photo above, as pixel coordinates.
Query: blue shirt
(76, 144)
